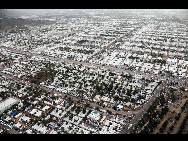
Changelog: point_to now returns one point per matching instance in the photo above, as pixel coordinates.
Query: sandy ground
(172, 115)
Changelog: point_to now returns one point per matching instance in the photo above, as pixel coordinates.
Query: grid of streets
(94, 74)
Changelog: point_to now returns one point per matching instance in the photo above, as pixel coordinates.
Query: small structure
(36, 112)
(52, 125)
(13, 114)
(4, 117)
(120, 107)
(7, 103)
(94, 115)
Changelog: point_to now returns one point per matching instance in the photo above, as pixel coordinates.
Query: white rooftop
(7, 103)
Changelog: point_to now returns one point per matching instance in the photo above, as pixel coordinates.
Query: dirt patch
(46, 74)
(168, 115)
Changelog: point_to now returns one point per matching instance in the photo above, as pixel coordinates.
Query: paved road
(146, 107)
(141, 111)
(11, 131)
(138, 113)
(93, 104)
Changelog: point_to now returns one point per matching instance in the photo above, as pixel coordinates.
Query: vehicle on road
(129, 126)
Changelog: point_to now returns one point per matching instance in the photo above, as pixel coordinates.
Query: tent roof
(95, 112)
(4, 117)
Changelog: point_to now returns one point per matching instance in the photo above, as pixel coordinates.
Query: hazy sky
(40, 11)
(36, 10)
(57, 10)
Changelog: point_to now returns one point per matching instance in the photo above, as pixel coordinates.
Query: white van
(129, 126)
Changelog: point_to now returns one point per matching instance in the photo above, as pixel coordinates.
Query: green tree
(162, 99)
(84, 110)
(82, 132)
(129, 91)
(84, 118)
(173, 97)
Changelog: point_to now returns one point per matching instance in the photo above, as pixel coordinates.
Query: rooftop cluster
(90, 74)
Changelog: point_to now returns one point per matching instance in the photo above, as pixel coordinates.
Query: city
(94, 71)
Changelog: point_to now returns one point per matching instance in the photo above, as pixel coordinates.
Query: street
(11, 131)
(141, 112)
(138, 113)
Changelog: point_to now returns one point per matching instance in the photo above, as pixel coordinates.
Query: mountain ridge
(7, 22)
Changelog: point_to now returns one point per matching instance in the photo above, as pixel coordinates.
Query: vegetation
(43, 75)
(149, 121)
(10, 23)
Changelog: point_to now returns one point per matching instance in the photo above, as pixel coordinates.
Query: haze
(39, 11)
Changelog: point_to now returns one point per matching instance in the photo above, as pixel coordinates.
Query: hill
(7, 22)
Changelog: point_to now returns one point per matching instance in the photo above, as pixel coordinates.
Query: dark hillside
(7, 22)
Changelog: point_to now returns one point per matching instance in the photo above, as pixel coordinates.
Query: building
(7, 103)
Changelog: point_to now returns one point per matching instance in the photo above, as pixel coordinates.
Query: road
(93, 104)
(111, 68)
(138, 113)
(141, 111)
(146, 107)
(11, 131)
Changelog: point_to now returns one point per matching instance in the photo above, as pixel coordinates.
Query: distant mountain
(11, 13)
(183, 15)
(8, 22)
